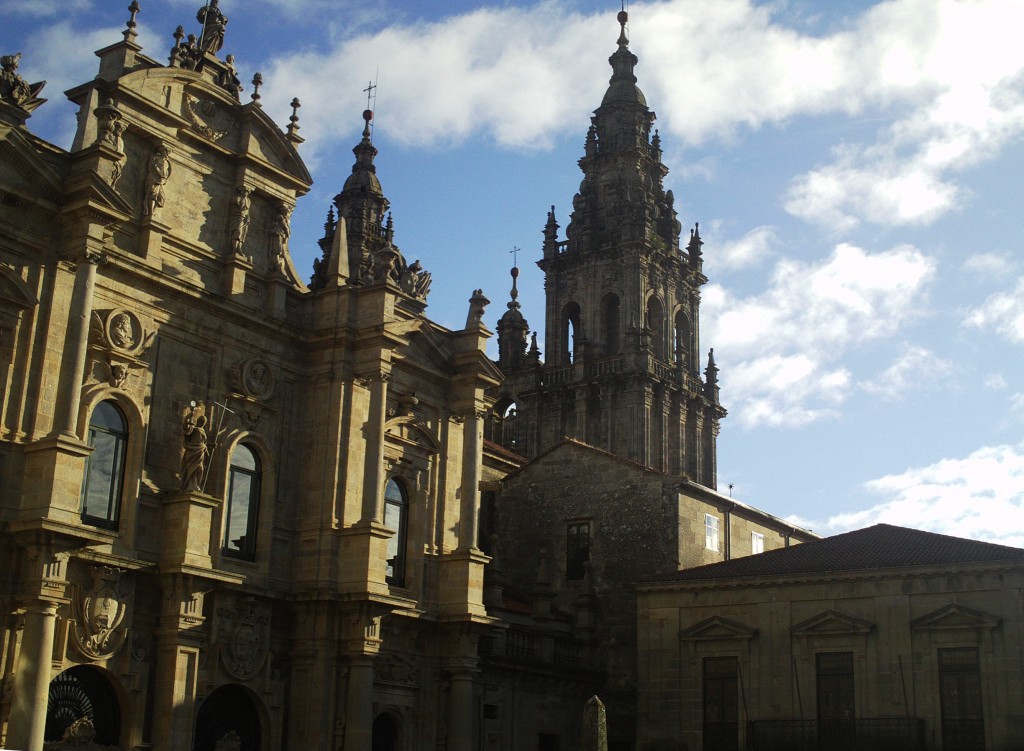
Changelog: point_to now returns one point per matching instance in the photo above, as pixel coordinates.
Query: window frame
(712, 536)
(756, 542)
(577, 555)
(255, 475)
(118, 464)
(398, 544)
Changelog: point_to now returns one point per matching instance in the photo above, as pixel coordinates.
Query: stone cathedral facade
(244, 512)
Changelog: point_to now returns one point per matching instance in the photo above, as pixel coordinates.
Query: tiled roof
(878, 547)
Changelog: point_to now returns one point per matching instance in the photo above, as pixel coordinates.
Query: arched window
(682, 340)
(610, 324)
(241, 506)
(104, 469)
(396, 517)
(570, 331)
(83, 693)
(656, 323)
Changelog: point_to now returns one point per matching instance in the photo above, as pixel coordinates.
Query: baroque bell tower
(621, 364)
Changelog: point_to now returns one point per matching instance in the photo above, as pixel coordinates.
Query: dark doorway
(963, 725)
(228, 709)
(721, 704)
(837, 727)
(83, 693)
(385, 733)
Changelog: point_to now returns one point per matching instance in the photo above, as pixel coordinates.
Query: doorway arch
(228, 709)
(386, 733)
(83, 692)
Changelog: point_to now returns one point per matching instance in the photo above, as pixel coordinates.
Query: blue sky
(854, 167)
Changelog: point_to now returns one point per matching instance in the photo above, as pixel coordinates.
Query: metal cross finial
(257, 81)
(515, 255)
(369, 94)
(731, 486)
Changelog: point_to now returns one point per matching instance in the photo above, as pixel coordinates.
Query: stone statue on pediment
(214, 25)
(16, 90)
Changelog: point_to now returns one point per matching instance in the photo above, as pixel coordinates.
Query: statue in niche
(159, 174)
(14, 88)
(239, 228)
(279, 234)
(214, 25)
(196, 451)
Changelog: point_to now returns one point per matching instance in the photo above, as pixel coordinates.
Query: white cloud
(778, 349)
(965, 110)
(523, 75)
(42, 8)
(916, 368)
(1003, 312)
(749, 250)
(996, 382)
(989, 264)
(1017, 404)
(980, 497)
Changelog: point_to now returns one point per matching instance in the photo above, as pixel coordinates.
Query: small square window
(711, 532)
(756, 542)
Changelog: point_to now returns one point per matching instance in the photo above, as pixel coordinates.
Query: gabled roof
(573, 444)
(882, 546)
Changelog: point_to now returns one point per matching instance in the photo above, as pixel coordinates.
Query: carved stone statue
(239, 228)
(229, 79)
(279, 234)
(159, 174)
(14, 88)
(196, 451)
(214, 24)
(415, 281)
(230, 742)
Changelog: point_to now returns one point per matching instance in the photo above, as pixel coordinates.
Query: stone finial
(257, 81)
(477, 308)
(16, 90)
(130, 33)
(293, 122)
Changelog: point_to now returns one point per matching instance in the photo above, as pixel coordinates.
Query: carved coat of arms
(245, 639)
(98, 633)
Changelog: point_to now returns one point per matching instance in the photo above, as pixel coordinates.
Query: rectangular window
(963, 725)
(721, 704)
(711, 532)
(577, 550)
(837, 729)
(756, 542)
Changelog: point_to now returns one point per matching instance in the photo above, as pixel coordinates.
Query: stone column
(177, 668)
(69, 397)
(461, 709)
(373, 487)
(472, 450)
(359, 704)
(27, 722)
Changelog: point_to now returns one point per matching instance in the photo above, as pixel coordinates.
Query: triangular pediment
(14, 293)
(832, 623)
(954, 616)
(717, 628)
(21, 165)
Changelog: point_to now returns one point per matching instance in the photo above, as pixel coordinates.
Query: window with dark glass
(242, 504)
(963, 724)
(104, 469)
(396, 512)
(577, 549)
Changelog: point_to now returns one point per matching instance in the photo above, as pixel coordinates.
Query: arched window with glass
(241, 507)
(104, 469)
(396, 517)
